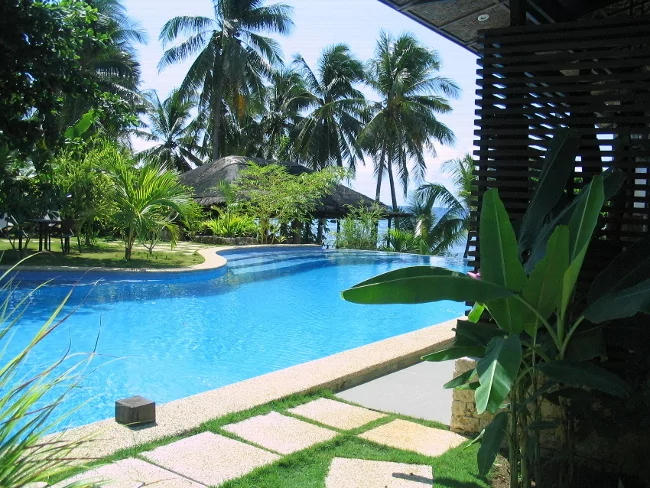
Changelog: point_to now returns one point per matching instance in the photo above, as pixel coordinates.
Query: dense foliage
(359, 228)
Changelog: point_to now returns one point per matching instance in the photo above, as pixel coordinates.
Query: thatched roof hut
(205, 181)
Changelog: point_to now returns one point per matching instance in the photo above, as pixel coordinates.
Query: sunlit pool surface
(167, 337)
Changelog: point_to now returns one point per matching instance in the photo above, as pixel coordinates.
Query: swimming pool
(167, 337)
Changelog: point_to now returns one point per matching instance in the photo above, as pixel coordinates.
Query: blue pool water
(169, 337)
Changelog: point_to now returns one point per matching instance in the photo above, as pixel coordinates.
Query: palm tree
(172, 127)
(232, 57)
(461, 170)
(440, 232)
(284, 101)
(404, 123)
(112, 64)
(145, 201)
(328, 135)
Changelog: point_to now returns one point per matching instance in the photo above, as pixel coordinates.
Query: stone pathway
(210, 459)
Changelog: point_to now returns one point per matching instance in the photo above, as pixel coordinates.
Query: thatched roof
(205, 181)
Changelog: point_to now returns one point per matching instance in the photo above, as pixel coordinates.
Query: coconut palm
(112, 64)
(232, 57)
(404, 126)
(462, 174)
(177, 134)
(328, 134)
(437, 217)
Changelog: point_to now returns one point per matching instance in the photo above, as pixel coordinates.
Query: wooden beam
(517, 12)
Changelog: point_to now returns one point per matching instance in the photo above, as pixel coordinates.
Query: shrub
(359, 228)
(232, 225)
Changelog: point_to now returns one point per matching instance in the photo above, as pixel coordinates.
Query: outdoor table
(45, 227)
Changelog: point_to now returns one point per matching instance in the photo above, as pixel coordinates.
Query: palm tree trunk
(217, 108)
(393, 196)
(380, 173)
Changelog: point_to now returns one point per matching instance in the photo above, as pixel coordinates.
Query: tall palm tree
(176, 133)
(461, 170)
(404, 123)
(284, 101)
(436, 216)
(232, 57)
(328, 134)
(112, 64)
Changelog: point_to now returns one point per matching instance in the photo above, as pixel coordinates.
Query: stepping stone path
(336, 414)
(132, 473)
(209, 459)
(356, 473)
(280, 433)
(414, 437)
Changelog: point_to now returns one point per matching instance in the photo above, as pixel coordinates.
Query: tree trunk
(380, 174)
(319, 233)
(393, 196)
(217, 108)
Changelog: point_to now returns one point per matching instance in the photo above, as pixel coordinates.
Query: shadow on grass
(451, 483)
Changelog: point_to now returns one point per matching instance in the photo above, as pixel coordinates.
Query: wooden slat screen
(593, 76)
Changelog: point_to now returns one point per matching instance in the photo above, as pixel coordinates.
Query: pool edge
(336, 372)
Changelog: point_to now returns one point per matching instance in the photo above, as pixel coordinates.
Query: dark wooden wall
(593, 76)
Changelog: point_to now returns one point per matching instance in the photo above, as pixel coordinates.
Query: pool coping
(336, 372)
(211, 260)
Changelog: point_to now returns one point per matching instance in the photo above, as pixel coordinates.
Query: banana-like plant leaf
(455, 352)
(627, 269)
(620, 304)
(585, 374)
(421, 284)
(82, 125)
(476, 312)
(586, 344)
(581, 229)
(500, 261)
(459, 380)
(471, 334)
(544, 285)
(612, 181)
(497, 371)
(493, 437)
(559, 163)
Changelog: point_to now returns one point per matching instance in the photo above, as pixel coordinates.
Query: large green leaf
(581, 229)
(420, 284)
(559, 163)
(497, 371)
(455, 352)
(620, 304)
(471, 334)
(544, 286)
(500, 261)
(625, 270)
(586, 344)
(612, 181)
(493, 437)
(585, 374)
(459, 380)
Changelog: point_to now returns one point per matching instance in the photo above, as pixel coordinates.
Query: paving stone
(280, 433)
(131, 473)
(209, 458)
(336, 414)
(355, 473)
(414, 437)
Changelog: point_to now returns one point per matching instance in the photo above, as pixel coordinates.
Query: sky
(318, 24)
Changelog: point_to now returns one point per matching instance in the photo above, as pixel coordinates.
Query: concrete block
(135, 410)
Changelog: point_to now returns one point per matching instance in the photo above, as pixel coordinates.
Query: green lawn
(106, 254)
(308, 468)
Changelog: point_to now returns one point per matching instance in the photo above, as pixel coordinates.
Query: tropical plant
(146, 201)
(441, 232)
(176, 133)
(541, 343)
(232, 58)
(462, 176)
(403, 125)
(358, 230)
(270, 193)
(31, 408)
(398, 240)
(328, 134)
(229, 224)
